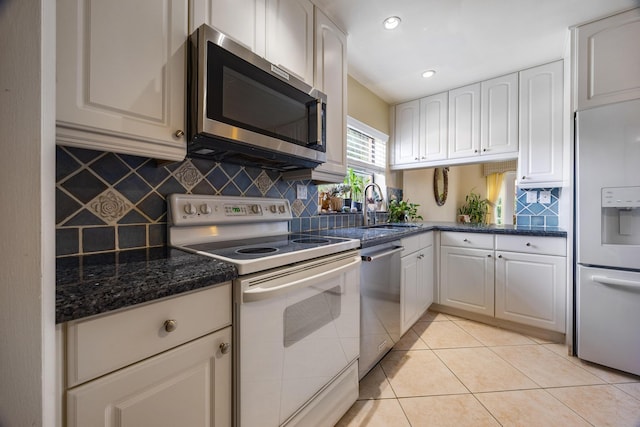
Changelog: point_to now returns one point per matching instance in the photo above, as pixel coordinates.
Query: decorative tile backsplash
(536, 213)
(107, 201)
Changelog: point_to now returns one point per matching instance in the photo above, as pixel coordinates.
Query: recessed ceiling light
(391, 22)
(429, 73)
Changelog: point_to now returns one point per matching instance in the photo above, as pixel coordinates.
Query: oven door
(298, 330)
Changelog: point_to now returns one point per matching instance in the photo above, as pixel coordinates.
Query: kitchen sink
(393, 226)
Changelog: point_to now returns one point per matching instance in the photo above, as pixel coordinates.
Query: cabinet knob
(499, 256)
(528, 244)
(170, 325)
(489, 256)
(179, 133)
(225, 347)
(475, 151)
(484, 149)
(417, 158)
(524, 177)
(466, 240)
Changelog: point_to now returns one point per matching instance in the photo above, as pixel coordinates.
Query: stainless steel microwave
(243, 109)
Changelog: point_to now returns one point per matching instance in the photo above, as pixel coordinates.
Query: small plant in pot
(356, 184)
(474, 209)
(403, 211)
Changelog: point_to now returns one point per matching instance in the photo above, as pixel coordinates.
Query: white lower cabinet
(416, 266)
(466, 279)
(186, 386)
(165, 363)
(531, 288)
(521, 279)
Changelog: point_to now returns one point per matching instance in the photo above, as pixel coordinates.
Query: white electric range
(296, 307)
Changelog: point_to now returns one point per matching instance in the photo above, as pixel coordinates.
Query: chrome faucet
(365, 211)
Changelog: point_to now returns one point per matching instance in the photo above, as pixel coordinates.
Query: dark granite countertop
(93, 284)
(375, 236)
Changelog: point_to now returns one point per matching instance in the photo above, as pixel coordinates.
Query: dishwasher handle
(377, 255)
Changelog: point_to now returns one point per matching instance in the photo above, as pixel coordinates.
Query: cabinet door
(406, 134)
(466, 279)
(331, 78)
(608, 60)
(289, 36)
(541, 145)
(187, 386)
(242, 20)
(120, 76)
(499, 115)
(433, 127)
(464, 121)
(409, 305)
(531, 289)
(425, 279)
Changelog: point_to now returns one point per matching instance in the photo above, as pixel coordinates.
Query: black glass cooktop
(260, 247)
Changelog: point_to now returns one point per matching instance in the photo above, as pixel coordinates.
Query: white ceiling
(465, 41)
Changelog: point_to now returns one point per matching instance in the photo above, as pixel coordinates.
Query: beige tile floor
(448, 371)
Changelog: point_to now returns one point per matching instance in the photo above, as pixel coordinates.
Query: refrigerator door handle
(616, 282)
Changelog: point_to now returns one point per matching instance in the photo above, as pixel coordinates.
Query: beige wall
(367, 107)
(418, 188)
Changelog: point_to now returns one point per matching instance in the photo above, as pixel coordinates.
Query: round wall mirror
(440, 185)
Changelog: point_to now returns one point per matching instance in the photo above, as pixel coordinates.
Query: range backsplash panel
(107, 201)
(537, 214)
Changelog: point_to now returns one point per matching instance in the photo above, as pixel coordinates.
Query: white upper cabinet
(280, 31)
(406, 132)
(541, 144)
(331, 79)
(499, 115)
(464, 121)
(120, 76)
(608, 60)
(290, 36)
(242, 20)
(433, 127)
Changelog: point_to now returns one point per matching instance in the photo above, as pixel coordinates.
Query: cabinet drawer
(416, 242)
(102, 344)
(532, 244)
(466, 240)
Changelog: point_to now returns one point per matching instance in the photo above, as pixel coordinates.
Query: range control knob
(281, 209)
(255, 209)
(205, 209)
(273, 208)
(189, 209)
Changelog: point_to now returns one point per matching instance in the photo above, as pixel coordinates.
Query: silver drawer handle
(170, 325)
(225, 347)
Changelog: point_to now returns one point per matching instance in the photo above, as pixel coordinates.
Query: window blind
(366, 151)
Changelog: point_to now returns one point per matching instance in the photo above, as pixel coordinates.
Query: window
(367, 152)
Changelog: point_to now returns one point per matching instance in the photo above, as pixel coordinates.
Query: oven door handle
(259, 293)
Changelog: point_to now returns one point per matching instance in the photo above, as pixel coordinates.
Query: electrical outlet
(301, 192)
(545, 197)
(532, 196)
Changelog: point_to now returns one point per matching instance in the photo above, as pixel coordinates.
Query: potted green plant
(402, 211)
(356, 184)
(474, 209)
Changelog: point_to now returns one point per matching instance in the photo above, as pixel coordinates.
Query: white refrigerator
(608, 235)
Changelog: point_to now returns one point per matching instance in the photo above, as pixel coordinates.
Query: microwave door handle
(320, 121)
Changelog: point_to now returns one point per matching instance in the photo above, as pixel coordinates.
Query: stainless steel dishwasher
(380, 303)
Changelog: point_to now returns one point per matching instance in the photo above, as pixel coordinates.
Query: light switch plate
(301, 192)
(545, 197)
(532, 196)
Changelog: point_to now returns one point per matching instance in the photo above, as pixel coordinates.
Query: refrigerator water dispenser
(621, 215)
